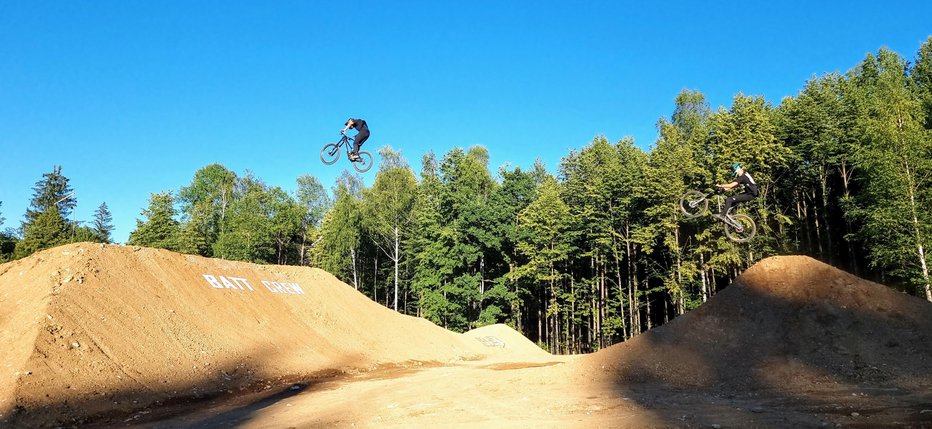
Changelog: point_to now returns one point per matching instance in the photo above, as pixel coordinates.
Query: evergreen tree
(102, 224)
(7, 241)
(160, 228)
(52, 191)
(430, 248)
(46, 230)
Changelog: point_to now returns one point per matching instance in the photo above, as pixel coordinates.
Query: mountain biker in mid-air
(363, 134)
(744, 179)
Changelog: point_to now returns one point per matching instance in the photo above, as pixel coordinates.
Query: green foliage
(340, 235)
(204, 203)
(160, 228)
(896, 205)
(103, 225)
(46, 230)
(52, 191)
(249, 230)
(601, 252)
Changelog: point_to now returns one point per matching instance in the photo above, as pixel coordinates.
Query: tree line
(598, 252)
(46, 222)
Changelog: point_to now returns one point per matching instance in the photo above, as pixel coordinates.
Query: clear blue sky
(132, 97)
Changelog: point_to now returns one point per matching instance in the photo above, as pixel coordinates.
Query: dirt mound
(89, 329)
(505, 342)
(789, 323)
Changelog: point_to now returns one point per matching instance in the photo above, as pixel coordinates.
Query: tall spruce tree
(103, 226)
(52, 191)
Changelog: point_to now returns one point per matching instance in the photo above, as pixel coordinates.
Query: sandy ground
(112, 336)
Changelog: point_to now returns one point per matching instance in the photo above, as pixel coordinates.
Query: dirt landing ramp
(90, 330)
(793, 330)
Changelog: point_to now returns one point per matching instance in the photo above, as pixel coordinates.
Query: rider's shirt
(360, 125)
(750, 186)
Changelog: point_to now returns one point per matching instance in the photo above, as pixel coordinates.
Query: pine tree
(102, 224)
(52, 191)
(47, 230)
(160, 229)
(7, 241)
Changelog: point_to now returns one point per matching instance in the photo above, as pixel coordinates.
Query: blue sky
(133, 97)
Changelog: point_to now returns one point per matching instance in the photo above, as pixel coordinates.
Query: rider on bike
(744, 179)
(362, 134)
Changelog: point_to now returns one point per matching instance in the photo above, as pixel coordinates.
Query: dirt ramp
(503, 341)
(788, 324)
(89, 329)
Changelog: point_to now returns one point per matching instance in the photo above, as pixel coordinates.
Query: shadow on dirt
(247, 386)
(820, 349)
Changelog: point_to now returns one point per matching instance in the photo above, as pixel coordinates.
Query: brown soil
(102, 336)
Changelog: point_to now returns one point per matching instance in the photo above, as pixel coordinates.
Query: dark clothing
(363, 133)
(740, 198)
(750, 192)
(360, 139)
(360, 125)
(750, 186)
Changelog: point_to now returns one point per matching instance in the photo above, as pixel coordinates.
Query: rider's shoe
(353, 157)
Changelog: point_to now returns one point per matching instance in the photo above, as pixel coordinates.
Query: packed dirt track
(110, 336)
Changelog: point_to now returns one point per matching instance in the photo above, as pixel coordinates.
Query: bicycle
(739, 227)
(331, 153)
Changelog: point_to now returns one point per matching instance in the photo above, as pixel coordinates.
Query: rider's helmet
(734, 168)
(348, 121)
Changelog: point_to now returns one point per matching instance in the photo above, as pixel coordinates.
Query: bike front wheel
(694, 203)
(748, 228)
(330, 153)
(364, 162)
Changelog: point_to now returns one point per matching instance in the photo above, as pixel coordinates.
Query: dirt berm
(88, 330)
(788, 325)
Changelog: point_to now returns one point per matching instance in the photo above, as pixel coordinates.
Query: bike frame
(345, 142)
(720, 198)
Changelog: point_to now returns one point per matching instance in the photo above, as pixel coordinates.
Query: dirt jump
(112, 336)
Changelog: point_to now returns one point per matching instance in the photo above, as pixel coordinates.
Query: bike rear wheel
(694, 203)
(364, 162)
(330, 153)
(748, 228)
